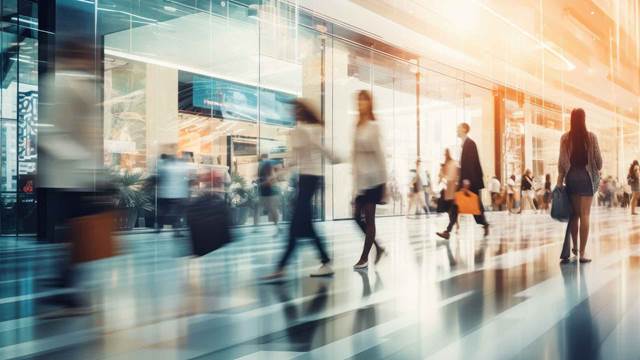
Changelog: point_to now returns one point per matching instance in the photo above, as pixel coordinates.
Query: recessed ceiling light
(593, 12)
(170, 8)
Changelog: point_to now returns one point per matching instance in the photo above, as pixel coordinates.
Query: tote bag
(468, 203)
(560, 204)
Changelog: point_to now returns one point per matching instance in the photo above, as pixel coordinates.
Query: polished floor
(500, 297)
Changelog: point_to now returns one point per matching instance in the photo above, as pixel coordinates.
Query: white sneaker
(323, 270)
(361, 266)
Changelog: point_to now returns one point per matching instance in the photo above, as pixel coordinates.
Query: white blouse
(307, 149)
(369, 164)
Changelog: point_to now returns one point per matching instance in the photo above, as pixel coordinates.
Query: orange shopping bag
(467, 202)
(91, 237)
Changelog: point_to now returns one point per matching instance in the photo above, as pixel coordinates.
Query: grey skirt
(578, 182)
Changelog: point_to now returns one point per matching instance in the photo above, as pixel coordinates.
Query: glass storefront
(211, 82)
(19, 116)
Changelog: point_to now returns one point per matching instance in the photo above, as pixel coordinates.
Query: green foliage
(131, 191)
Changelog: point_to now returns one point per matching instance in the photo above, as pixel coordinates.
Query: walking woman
(546, 195)
(449, 174)
(307, 152)
(579, 166)
(526, 191)
(370, 176)
(633, 179)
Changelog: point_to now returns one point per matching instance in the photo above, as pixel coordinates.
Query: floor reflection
(581, 339)
(504, 296)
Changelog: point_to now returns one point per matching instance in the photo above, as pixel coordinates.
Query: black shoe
(486, 230)
(445, 235)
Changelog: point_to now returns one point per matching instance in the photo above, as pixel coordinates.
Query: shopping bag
(208, 218)
(92, 237)
(566, 245)
(467, 202)
(560, 204)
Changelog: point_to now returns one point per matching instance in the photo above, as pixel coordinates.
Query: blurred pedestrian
(546, 197)
(449, 174)
(416, 195)
(174, 181)
(72, 186)
(307, 152)
(633, 179)
(471, 170)
(427, 188)
(494, 190)
(268, 192)
(370, 176)
(527, 192)
(511, 193)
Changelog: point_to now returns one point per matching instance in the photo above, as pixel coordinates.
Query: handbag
(467, 202)
(560, 204)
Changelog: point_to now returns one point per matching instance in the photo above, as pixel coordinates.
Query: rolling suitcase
(209, 223)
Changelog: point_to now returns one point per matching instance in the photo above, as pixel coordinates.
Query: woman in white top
(369, 176)
(307, 152)
(511, 191)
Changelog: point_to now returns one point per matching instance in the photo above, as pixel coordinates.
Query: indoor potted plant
(130, 197)
(242, 199)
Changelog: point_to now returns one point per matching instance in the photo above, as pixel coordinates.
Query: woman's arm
(563, 162)
(597, 155)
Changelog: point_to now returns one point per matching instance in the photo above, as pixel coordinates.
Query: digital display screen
(235, 101)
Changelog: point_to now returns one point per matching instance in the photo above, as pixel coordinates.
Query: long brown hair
(632, 174)
(368, 115)
(305, 114)
(578, 132)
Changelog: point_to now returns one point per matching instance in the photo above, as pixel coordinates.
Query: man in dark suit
(471, 170)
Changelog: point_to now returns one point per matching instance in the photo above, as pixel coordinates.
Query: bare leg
(634, 202)
(575, 220)
(585, 213)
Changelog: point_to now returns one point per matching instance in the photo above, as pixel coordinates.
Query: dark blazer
(470, 168)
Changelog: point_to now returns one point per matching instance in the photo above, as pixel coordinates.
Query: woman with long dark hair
(633, 179)
(369, 176)
(579, 166)
(307, 152)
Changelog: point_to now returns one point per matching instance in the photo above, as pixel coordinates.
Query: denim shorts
(578, 182)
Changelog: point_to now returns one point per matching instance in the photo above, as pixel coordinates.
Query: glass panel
(352, 71)
(441, 109)
(8, 214)
(173, 96)
(405, 139)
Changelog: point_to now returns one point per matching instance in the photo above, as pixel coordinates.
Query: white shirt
(174, 176)
(511, 185)
(369, 164)
(494, 185)
(307, 149)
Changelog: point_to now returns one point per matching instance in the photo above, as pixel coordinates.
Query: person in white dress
(369, 176)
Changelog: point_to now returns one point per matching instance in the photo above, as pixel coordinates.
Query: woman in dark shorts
(579, 166)
(369, 176)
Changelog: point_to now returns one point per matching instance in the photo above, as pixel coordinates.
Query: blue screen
(236, 101)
